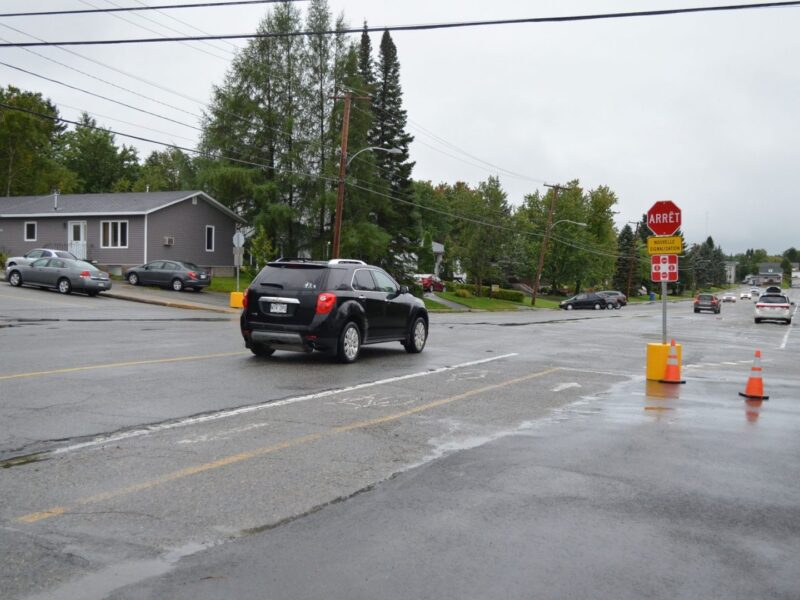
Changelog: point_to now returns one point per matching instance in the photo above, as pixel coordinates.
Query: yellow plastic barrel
(657, 355)
(236, 301)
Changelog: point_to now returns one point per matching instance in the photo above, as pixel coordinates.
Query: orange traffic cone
(755, 386)
(673, 372)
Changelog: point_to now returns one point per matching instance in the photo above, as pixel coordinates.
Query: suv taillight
(325, 303)
(245, 298)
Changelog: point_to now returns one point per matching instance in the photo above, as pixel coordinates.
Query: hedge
(486, 291)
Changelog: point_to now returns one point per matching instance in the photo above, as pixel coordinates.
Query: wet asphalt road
(520, 455)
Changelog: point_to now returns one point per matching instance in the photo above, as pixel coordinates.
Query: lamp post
(542, 250)
(344, 162)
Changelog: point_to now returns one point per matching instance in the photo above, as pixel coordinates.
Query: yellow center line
(132, 363)
(263, 451)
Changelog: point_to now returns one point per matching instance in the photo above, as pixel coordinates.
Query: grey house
(117, 231)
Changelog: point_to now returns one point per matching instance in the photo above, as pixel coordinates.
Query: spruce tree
(390, 133)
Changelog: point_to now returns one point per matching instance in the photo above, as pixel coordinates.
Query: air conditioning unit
(169, 240)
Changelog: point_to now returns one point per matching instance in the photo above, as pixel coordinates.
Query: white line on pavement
(224, 414)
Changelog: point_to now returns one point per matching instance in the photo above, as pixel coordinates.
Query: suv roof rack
(346, 261)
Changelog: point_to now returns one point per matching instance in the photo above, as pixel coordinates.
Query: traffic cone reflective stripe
(755, 385)
(673, 372)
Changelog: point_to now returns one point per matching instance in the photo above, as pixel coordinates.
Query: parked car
(729, 297)
(745, 296)
(335, 307)
(588, 300)
(615, 298)
(64, 274)
(36, 254)
(430, 283)
(178, 275)
(707, 302)
(773, 307)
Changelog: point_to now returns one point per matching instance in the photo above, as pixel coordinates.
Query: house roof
(76, 205)
(769, 268)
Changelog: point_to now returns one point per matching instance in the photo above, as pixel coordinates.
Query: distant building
(730, 271)
(768, 274)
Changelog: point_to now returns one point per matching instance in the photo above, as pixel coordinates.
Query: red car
(430, 283)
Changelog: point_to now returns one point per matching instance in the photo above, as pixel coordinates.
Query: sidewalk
(209, 301)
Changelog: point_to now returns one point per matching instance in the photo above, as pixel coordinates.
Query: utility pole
(337, 227)
(543, 248)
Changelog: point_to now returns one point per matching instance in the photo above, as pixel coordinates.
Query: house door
(76, 239)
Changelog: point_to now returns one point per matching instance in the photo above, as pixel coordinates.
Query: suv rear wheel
(349, 343)
(417, 337)
(261, 350)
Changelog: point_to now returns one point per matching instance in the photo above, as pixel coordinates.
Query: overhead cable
(421, 27)
(85, 11)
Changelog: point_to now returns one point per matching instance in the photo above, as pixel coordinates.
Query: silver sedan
(63, 274)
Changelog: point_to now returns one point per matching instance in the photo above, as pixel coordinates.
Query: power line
(421, 27)
(140, 26)
(72, 87)
(100, 79)
(144, 7)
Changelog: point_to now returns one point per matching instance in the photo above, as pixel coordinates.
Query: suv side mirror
(403, 289)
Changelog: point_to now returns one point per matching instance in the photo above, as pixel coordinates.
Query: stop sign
(664, 218)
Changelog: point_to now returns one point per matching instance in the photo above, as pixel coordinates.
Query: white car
(36, 254)
(745, 296)
(774, 307)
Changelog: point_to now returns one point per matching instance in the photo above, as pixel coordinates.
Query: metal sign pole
(663, 311)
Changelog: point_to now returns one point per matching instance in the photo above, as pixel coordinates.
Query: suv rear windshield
(773, 300)
(293, 277)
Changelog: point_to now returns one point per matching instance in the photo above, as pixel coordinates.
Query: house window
(113, 234)
(30, 231)
(209, 238)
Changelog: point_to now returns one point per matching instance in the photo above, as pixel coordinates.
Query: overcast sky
(701, 109)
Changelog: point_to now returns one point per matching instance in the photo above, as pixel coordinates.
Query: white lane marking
(788, 331)
(565, 386)
(224, 414)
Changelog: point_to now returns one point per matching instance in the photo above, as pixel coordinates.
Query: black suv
(334, 307)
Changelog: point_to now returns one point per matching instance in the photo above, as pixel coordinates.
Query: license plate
(202, 276)
(101, 285)
(277, 308)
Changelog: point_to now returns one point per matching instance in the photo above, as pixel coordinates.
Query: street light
(542, 250)
(344, 162)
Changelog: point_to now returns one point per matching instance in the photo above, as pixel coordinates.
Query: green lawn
(480, 303)
(228, 284)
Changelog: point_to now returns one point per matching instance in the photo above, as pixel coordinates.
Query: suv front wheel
(349, 343)
(416, 337)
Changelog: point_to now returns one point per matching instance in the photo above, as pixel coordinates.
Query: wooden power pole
(337, 226)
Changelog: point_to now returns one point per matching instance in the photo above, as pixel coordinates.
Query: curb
(227, 311)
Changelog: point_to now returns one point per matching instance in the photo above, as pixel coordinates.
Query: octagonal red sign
(664, 217)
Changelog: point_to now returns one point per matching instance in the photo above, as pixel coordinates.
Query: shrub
(463, 293)
(510, 295)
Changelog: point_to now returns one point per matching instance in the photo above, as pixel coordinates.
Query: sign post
(238, 252)
(664, 219)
